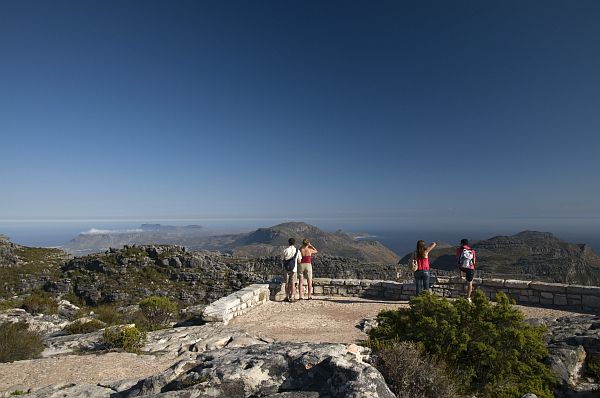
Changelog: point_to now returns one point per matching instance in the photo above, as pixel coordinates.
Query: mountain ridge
(528, 253)
(267, 241)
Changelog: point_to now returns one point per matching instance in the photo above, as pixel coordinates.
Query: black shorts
(469, 273)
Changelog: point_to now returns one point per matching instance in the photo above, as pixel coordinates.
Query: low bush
(489, 349)
(40, 303)
(9, 304)
(84, 327)
(410, 372)
(128, 338)
(159, 311)
(18, 343)
(108, 314)
(593, 366)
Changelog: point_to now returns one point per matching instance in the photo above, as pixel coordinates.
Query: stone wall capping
(493, 282)
(516, 284)
(587, 290)
(548, 287)
(228, 307)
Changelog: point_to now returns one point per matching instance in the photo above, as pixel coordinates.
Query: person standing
(291, 257)
(466, 259)
(422, 273)
(305, 268)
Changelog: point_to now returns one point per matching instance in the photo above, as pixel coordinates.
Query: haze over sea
(398, 234)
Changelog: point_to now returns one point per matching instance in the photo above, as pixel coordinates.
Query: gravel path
(325, 319)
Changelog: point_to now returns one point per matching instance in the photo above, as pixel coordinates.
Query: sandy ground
(90, 369)
(324, 319)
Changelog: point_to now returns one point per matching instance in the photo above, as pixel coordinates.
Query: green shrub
(410, 372)
(108, 314)
(159, 311)
(18, 343)
(488, 347)
(129, 338)
(84, 327)
(74, 299)
(9, 304)
(40, 303)
(593, 366)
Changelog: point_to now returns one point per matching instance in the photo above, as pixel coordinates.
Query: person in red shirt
(466, 259)
(422, 273)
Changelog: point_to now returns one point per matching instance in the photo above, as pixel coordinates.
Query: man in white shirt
(291, 257)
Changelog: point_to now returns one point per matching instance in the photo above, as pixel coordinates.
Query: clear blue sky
(426, 110)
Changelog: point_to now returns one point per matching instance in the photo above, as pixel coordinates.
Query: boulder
(67, 310)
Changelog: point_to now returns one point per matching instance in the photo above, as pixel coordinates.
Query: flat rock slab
(90, 369)
(168, 346)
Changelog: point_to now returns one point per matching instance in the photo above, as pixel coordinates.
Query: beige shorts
(305, 270)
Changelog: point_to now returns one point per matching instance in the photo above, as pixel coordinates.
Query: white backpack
(465, 261)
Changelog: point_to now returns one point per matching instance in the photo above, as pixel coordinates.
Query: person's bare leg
(287, 286)
(300, 286)
(469, 289)
(310, 292)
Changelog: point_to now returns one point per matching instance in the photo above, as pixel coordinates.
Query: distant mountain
(529, 253)
(262, 242)
(194, 237)
(270, 241)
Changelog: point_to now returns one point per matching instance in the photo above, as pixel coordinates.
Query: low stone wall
(236, 304)
(554, 295)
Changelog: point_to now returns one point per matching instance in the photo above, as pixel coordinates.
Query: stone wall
(236, 304)
(554, 295)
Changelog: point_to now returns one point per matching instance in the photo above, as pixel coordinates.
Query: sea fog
(398, 236)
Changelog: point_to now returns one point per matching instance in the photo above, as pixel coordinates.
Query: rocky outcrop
(7, 255)
(572, 343)
(134, 272)
(173, 343)
(44, 325)
(216, 360)
(268, 370)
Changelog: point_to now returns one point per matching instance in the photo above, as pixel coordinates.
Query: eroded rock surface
(329, 370)
(572, 341)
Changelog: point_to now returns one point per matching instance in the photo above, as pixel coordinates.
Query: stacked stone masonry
(554, 295)
(236, 304)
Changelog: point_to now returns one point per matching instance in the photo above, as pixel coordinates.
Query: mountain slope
(270, 241)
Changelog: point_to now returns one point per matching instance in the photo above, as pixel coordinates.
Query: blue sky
(420, 110)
